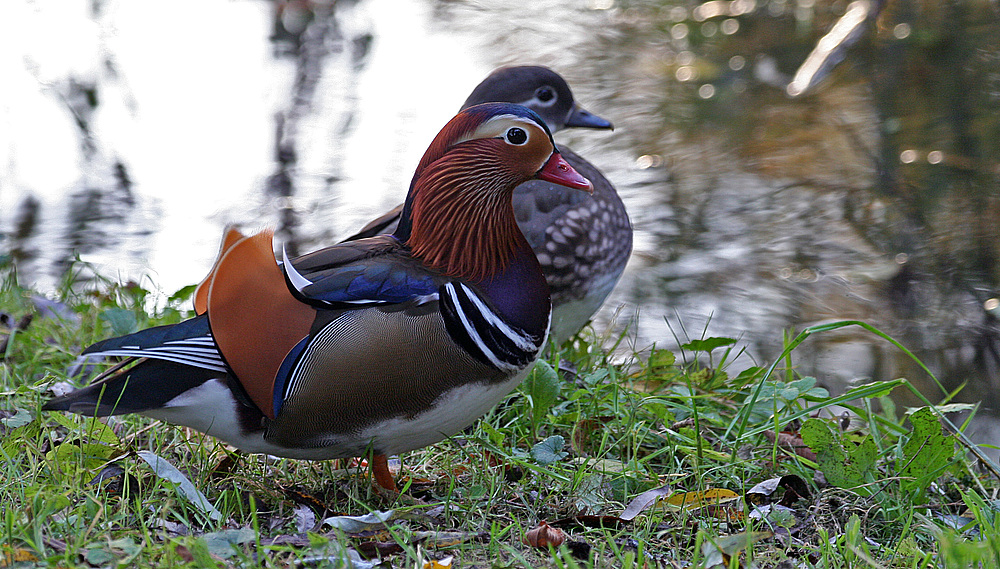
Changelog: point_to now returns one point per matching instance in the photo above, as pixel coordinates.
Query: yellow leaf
(731, 512)
(710, 497)
(9, 557)
(439, 563)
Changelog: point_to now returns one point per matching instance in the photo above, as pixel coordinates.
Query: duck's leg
(380, 472)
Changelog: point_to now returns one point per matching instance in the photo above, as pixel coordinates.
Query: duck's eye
(517, 136)
(545, 94)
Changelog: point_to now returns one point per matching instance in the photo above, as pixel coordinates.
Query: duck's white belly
(454, 411)
(209, 408)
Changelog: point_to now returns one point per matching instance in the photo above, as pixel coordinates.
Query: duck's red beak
(558, 171)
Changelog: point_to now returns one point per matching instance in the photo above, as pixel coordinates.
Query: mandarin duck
(384, 344)
(582, 242)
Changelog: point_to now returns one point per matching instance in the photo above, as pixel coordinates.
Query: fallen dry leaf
(643, 501)
(379, 549)
(709, 497)
(226, 465)
(184, 553)
(793, 485)
(16, 555)
(792, 442)
(544, 535)
(439, 563)
(689, 422)
(716, 502)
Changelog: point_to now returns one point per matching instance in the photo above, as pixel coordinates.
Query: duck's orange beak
(558, 171)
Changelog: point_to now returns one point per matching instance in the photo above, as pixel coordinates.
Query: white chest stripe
(474, 335)
(522, 341)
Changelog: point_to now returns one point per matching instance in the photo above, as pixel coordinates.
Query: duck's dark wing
(374, 270)
(385, 223)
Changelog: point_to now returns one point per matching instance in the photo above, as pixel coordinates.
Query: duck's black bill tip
(582, 118)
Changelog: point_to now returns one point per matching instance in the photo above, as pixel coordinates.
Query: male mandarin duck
(582, 242)
(387, 344)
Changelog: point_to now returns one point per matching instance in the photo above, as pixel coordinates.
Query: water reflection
(872, 196)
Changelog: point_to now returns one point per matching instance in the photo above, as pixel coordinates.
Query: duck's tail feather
(161, 363)
(134, 386)
(189, 343)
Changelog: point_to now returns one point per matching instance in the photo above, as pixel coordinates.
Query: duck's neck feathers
(458, 218)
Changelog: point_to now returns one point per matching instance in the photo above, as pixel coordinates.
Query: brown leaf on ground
(795, 488)
(184, 553)
(543, 535)
(584, 430)
(689, 422)
(792, 442)
(379, 549)
(57, 545)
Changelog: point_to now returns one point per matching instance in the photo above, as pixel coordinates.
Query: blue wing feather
(378, 270)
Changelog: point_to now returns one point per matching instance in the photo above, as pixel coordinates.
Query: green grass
(573, 448)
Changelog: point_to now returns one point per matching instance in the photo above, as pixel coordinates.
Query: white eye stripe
(498, 126)
(537, 103)
(543, 104)
(546, 94)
